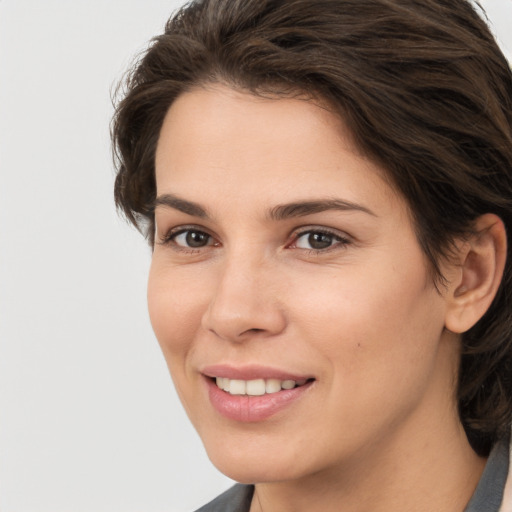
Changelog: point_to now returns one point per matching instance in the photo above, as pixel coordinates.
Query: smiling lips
(253, 399)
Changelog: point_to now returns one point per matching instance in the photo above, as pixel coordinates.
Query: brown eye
(319, 240)
(192, 238)
(315, 240)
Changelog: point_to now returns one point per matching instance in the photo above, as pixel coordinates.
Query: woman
(327, 188)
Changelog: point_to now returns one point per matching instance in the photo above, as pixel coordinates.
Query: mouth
(254, 393)
(254, 398)
(257, 387)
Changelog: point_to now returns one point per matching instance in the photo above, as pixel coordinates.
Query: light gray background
(88, 417)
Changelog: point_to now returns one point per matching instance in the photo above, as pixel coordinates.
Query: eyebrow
(188, 207)
(303, 208)
(277, 213)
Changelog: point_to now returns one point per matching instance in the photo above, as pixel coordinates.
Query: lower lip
(249, 409)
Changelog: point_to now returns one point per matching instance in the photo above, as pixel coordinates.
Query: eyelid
(342, 237)
(169, 235)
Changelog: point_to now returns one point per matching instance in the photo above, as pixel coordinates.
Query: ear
(476, 280)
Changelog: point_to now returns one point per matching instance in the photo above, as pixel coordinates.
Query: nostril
(252, 331)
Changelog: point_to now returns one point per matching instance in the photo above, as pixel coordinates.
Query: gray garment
(486, 498)
(489, 491)
(236, 499)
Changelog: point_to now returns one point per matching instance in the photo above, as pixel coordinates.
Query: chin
(256, 461)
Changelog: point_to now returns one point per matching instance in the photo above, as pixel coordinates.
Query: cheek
(376, 327)
(176, 302)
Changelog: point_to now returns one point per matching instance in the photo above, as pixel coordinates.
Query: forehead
(217, 137)
(217, 114)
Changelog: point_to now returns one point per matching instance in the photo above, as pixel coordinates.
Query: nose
(244, 303)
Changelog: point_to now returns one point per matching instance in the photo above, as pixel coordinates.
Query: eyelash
(169, 239)
(338, 241)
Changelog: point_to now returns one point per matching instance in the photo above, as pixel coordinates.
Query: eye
(190, 238)
(318, 240)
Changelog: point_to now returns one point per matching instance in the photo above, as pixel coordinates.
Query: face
(288, 291)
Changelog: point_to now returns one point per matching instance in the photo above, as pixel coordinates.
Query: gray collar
(489, 492)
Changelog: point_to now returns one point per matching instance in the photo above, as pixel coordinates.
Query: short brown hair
(424, 90)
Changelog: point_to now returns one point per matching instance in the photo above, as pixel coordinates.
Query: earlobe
(482, 261)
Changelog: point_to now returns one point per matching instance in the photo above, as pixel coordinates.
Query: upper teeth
(255, 387)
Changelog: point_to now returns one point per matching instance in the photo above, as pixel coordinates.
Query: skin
(378, 428)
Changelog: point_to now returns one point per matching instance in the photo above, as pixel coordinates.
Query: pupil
(196, 239)
(319, 240)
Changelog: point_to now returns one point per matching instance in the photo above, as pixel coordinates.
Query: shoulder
(236, 499)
